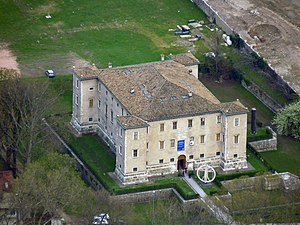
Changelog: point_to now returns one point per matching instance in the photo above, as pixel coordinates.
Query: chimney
(109, 65)
(253, 120)
(162, 57)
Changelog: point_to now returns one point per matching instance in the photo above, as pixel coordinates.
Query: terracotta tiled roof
(185, 59)
(131, 122)
(160, 90)
(87, 72)
(233, 107)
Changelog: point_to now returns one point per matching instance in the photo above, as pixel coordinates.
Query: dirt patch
(44, 9)
(265, 32)
(271, 27)
(61, 64)
(7, 58)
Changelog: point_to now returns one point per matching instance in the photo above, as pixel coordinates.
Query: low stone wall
(147, 196)
(265, 145)
(262, 96)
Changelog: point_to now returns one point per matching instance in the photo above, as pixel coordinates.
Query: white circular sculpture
(206, 173)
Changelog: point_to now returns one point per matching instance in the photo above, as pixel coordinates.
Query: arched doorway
(181, 163)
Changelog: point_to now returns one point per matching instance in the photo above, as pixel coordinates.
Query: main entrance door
(181, 163)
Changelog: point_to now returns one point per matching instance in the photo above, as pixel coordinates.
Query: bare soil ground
(61, 64)
(7, 59)
(272, 27)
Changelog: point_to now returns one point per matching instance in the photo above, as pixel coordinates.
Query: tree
(287, 120)
(22, 107)
(47, 187)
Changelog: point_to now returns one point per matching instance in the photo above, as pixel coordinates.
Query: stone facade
(186, 131)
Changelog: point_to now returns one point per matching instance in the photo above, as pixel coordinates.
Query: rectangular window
(147, 145)
(161, 161)
(235, 155)
(120, 150)
(162, 127)
(91, 89)
(202, 138)
(111, 115)
(236, 122)
(77, 83)
(122, 112)
(135, 135)
(99, 87)
(202, 121)
(219, 119)
(218, 137)
(172, 160)
(202, 155)
(91, 103)
(161, 144)
(175, 125)
(121, 132)
(134, 153)
(134, 169)
(172, 143)
(99, 104)
(191, 157)
(217, 153)
(236, 139)
(76, 99)
(90, 119)
(190, 123)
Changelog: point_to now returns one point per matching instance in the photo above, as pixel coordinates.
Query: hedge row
(150, 187)
(224, 177)
(260, 136)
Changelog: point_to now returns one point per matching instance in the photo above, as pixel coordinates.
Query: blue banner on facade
(180, 145)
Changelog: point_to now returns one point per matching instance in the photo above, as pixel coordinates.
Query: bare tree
(23, 104)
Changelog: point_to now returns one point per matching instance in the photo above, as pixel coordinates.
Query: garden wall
(262, 96)
(265, 145)
(147, 196)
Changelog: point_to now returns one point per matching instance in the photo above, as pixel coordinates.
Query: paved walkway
(218, 212)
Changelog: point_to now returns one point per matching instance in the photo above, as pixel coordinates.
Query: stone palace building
(158, 118)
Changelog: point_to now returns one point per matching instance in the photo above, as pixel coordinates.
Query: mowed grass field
(98, 31)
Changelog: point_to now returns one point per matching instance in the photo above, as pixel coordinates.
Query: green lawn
(255, 162)
(287, 156)
(121, 32)
(232, 90)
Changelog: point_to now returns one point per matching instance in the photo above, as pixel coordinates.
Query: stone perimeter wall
(208, 10)
(265, 145)
(262, 96)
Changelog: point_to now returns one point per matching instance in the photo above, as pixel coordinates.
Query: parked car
(102, 218)
(50, 73)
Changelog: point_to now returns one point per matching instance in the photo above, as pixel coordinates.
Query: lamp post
(153, 212)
